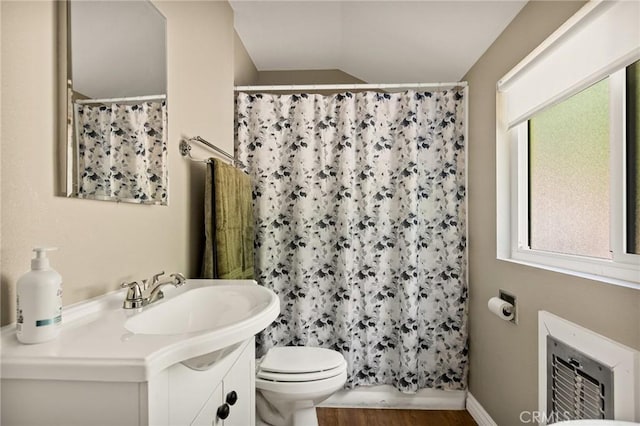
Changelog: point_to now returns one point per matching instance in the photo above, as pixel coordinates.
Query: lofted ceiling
(375, 41)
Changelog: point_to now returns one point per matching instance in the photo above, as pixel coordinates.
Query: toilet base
(304, 417)
(259, 421)
(286, 396)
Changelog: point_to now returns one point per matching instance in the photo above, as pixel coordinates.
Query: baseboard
(386, 396)
(478, 412)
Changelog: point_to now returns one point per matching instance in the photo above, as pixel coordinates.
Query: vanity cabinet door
(208, 415)
(239, 390)
(232, 403)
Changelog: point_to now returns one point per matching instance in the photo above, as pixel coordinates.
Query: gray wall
(307, 77)
(246, 73)
(504, 361)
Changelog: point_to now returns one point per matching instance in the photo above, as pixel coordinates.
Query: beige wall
(245, 71)
(103, 243)
(504, 361)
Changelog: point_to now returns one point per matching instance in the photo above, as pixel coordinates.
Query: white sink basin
(202, 309)
(196, 324)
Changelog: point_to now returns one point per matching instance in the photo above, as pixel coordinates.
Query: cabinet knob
(232, 397)
(223, 411)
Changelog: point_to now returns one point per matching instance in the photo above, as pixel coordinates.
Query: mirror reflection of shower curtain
(359, 202)
(122, 151)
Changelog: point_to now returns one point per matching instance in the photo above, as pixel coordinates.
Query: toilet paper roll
(503, 309)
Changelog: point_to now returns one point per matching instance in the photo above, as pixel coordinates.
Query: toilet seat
(297, 364)
(303, 389)
(302, 377)
(300, 359)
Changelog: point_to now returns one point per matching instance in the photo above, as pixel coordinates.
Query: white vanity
(189, 362)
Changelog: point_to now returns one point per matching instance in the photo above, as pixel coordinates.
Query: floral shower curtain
(122, 151)
(359, 202)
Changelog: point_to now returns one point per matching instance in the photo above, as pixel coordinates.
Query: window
(569, 175)
(568, 150)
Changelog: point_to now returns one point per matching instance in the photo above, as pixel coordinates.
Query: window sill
(624, 273)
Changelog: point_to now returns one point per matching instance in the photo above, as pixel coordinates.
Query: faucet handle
(150, 282)
(156, 277)
(134, 295)
(179, 279)
(131, 285)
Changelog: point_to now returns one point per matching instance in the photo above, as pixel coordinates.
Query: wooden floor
(384, 417)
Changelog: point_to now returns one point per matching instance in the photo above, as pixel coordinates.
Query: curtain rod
(347, 86)
(185, 149)
(112, 100)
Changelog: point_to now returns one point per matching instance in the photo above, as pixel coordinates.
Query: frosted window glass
(633, 158)
(569, 175)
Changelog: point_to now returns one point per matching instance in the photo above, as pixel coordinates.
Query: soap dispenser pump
(39, 301)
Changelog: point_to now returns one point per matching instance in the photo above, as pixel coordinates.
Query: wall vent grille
(578, 387)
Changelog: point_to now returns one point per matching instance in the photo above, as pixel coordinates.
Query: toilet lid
(302, 377)
(300, 359)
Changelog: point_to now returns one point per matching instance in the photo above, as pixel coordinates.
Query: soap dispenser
(39, 301)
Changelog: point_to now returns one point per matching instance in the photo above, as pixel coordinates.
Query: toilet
(292, 380)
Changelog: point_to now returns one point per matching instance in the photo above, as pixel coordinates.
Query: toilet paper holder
(508, 297)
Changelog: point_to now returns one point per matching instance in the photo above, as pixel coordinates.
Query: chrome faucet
(150, 290)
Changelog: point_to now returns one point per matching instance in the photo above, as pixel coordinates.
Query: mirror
(115, 78)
